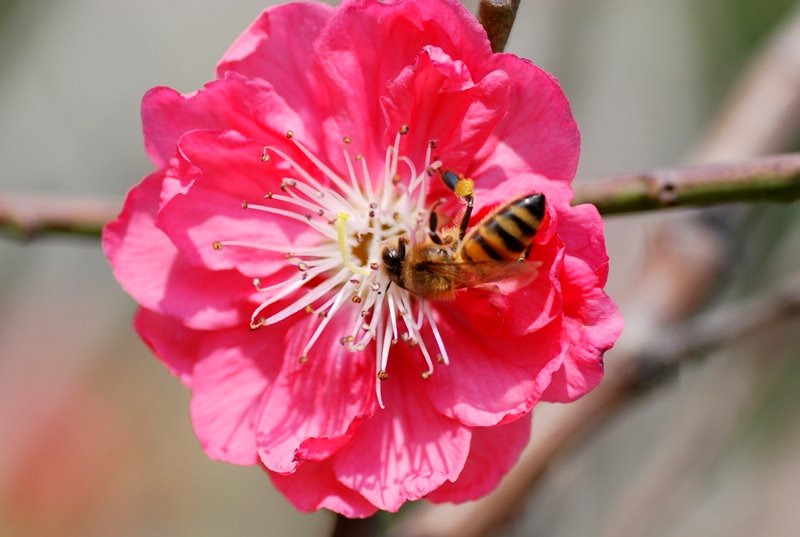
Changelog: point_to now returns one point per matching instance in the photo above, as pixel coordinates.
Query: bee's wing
(476, 274)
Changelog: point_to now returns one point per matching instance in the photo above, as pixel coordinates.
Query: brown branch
(497, 18)
(27, 216)
(775, 178)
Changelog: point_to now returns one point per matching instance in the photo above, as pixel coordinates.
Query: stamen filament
(307, 176)
(334, 177)
(316, 293)
(334, 308)
(383, 358)
(294, 216)
(437, 336)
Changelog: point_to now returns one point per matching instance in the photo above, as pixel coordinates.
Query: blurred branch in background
(628, 377)
(761, 115)
(775, 178)
(28, 216)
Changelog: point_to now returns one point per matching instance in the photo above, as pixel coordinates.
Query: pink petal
(489, 196)
(513, 371)
(277, 48)
(173, 343)
(540, 136)
(148, 267)
(313, 405)
(406, 450)
(589, 331)
(211, 209)
(466, 111)
(251, 107)
(493, 452)
(314, 486)
(592, 322)
(366, 44)
(235, 372)
(581, 229)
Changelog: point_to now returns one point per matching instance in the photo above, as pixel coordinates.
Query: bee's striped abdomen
(507, 233)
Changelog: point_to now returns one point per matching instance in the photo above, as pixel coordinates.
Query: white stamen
(436, 334)
(355, 220)
(334, 308)
(308, 299)
(294, 216)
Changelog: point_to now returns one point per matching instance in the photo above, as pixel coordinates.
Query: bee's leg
(462, 229)
(433, 224)
(463, 188)
(401, 248)
(527, 252)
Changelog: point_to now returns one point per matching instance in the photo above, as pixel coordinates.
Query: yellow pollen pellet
(289, 133)
(383, 375)
(464, 187)
(216, 245)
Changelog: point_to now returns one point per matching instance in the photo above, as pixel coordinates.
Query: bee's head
(392, 256)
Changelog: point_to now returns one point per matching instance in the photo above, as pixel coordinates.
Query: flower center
(356, 219)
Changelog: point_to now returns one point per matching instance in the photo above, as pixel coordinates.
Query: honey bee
(494, 250)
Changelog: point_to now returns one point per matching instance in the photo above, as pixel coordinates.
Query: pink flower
(255, 254)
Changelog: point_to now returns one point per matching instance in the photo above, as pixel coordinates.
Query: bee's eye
(391, 256)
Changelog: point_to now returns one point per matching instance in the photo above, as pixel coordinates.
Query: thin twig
(497, 18)
(775, 178)
(28, 216)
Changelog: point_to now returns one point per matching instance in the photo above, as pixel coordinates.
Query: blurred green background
(95, 438)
